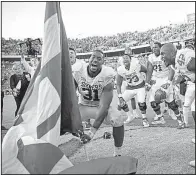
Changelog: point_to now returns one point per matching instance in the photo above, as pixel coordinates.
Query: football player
(76, 64)
(131, 72)
(133, 111)
(183, 62)
(95, 83)
(159, 80)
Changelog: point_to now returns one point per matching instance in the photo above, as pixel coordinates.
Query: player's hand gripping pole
(86, 138)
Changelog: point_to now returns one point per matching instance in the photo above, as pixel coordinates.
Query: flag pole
(86, 153)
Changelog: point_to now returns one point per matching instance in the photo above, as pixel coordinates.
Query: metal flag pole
(86, 153)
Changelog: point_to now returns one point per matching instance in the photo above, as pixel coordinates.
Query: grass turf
(160, 150)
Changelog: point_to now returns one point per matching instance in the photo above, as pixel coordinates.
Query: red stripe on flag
(39, 158)
(70, 115)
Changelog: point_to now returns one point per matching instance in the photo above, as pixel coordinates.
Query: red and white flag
(50, 105)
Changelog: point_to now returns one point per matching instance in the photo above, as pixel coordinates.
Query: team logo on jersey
(89, 92)
(85, 85)
(82, 79)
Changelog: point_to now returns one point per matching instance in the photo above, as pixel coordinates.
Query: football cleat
(156, 117)
(129, 120)
(172, 115)
(135, 114)
(117, 155)
(160, 120)
(186, 125)
(145, 122)
(165, 112)
(160, 96)
(181, 126)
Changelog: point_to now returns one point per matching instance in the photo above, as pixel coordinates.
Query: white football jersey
(77, 65)
(92, 87)
(183, 57)
(159, 68)
(120, 62)
(133, 76)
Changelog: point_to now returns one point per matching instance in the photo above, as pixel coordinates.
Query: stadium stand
(113, 46)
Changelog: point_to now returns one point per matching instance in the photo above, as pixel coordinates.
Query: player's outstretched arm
(149, 72)
(25, 64)
(171, 73)
(105, 101)
(119, 80)
(169, 81)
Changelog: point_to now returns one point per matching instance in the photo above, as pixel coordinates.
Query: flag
(50, 104)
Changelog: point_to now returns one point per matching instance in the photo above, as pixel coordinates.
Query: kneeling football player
(95, 83)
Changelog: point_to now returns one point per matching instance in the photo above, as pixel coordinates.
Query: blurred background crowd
(83, 45)
(121, 40)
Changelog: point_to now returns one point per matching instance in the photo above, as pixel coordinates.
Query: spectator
(162, 34)
(19, 84)
(179, 46)
(3, 80)
(34, 63)
(2, 97)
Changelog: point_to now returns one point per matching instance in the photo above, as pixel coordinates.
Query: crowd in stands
(83, 45)
(6, 72)
(166, 33)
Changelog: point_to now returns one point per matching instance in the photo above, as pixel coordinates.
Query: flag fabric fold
(48, 108)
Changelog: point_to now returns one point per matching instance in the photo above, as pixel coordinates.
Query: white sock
(143, 115)
(185, 114)
(130, 115)
(159, 116)
(134, 110)
(178, 117)
(117, 150)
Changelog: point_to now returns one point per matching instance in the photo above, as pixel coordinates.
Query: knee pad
(173, 105)
(115, 118)
(142, 106)
(155, 106)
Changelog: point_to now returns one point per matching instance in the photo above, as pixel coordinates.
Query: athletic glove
(166, 86)
(147, 86)
(122, 104)
(181, 79)
(85, 138)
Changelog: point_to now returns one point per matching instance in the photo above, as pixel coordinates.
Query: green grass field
(159, 150)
